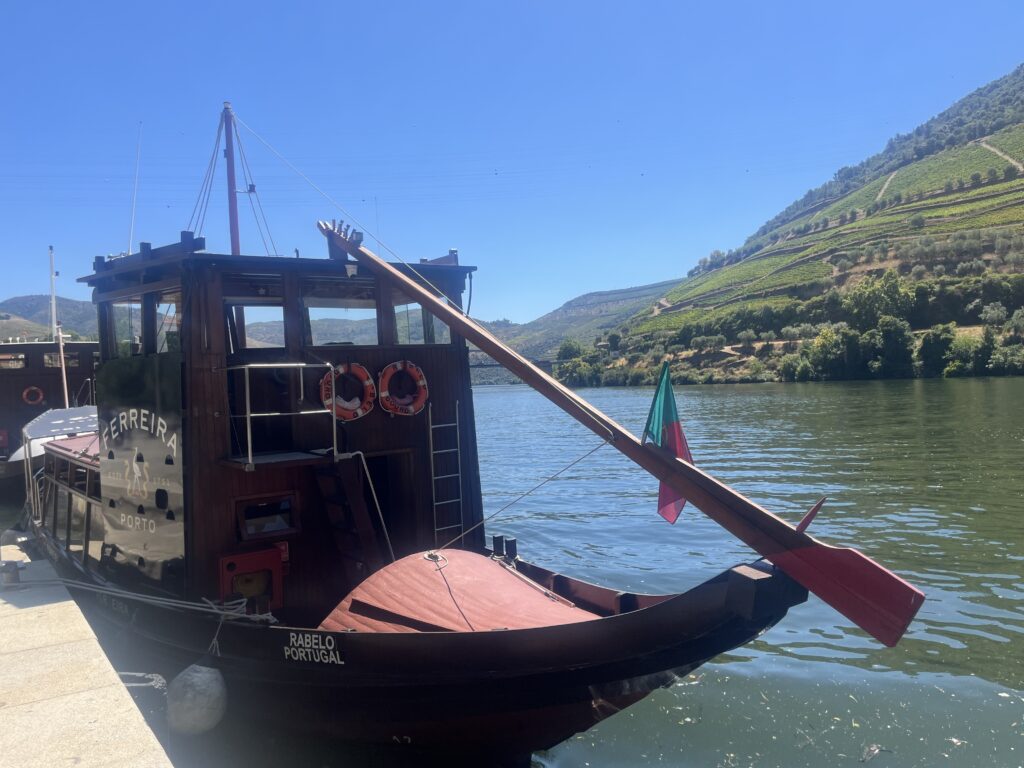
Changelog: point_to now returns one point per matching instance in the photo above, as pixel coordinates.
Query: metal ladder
(443, 514)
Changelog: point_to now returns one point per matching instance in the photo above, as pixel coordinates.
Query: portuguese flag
(665, 429)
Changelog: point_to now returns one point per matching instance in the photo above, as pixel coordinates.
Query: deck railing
(248, 415)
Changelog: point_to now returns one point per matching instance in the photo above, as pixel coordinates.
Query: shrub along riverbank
(883, 327)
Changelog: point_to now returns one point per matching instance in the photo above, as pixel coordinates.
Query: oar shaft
(874, 598)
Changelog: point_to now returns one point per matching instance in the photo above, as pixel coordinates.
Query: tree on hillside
(613, 341)
(1010, 172)
(577, 373)
(790, 334)
(747, 338)
(570, 348)
(993, 175)
(874, 297)
(917, 221)
(975, 179)
(948, 187)
(1014, 328)
(894, 349)
(960, 357)
(993, 314)
(767, 337)
(934, 349)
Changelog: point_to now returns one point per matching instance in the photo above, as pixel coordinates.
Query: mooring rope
(230, 610)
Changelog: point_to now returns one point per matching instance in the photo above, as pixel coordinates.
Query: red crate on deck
(255, 574)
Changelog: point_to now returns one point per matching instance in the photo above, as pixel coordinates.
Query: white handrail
(249, 415)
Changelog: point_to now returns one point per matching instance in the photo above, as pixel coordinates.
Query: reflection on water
(925, 476)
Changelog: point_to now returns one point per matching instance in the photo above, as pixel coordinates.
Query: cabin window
(254, 311)
(62, 473)
(93, 486)
(12, 360)
(254, 326)
(267, 517)
(79, 478)
(52, 360)
(127, 328)
(97, 532)
(76, 535)
(340, 312)
(60, 515)
(46, 494)
(168, 322)
(415, 325)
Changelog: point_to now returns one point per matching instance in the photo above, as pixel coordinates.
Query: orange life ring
(33, 395)
(406, 404)
(348, 410)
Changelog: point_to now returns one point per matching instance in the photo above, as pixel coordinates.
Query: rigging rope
(349, 216)
(198, 217)
(250, 187)
(522, 496)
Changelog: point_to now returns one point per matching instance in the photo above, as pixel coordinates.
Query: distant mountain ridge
(74, 315)
(583, 318)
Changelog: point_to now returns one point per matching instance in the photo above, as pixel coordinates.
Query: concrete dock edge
(61, 701)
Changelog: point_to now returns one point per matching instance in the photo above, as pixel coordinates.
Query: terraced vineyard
(932, 228)
(1010, 141)
(800, 263)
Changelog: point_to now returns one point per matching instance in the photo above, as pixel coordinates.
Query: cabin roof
(172, 258)
(85, 449)
(58, 422)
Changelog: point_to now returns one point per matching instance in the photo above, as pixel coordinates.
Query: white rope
(522, 496)
(233, 609)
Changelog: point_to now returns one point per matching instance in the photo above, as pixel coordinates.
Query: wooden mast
(871, 596)
(229, 154)
(228, 119)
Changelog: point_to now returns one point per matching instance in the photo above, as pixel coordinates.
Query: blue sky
(562, 147)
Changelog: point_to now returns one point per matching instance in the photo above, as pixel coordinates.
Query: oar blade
(872, 597)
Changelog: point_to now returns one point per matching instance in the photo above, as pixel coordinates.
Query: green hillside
(937, 218)
(75, 316)
(13, 328)
(584, 319)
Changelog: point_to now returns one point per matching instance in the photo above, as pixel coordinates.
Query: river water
(925, 476)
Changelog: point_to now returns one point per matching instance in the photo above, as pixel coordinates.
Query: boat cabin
(277, 428)
(30, 383)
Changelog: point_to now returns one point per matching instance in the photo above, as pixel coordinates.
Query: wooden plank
(874, 598)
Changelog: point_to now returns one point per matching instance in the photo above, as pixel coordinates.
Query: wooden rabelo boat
(32, 382)
(304, 512)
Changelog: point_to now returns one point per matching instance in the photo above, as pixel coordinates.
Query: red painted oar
(875, 599)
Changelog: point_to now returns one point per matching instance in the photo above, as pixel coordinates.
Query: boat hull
(516, 690)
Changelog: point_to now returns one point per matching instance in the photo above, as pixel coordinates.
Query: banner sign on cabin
(139, 406)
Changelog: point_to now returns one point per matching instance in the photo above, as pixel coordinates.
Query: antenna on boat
(135, 188)
(53, 298)
(58, 334)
